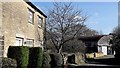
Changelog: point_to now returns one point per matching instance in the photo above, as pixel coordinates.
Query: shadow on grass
(93, 67)
(106, 61)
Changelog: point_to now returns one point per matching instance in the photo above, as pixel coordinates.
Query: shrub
(35, 57)
(9, 63)
(46, 60)
(56, 59)
(20, 53)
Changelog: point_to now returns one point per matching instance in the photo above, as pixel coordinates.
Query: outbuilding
(105, 46)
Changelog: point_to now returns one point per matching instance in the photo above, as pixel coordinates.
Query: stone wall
(1, 19)
(15, 24)
(74, 58)
(79, 58)
(93, 55)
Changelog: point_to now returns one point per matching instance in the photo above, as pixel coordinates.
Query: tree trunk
(60, 49)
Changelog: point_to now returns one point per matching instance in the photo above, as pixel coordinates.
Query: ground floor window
(30, 42)
(19, 41)
(1, 46)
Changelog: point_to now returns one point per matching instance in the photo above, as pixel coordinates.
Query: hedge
(8, 63)
(21, 54)
(35, 57)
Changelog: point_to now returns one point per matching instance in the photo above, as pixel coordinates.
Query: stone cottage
(105, 46)
(98, 44)
(21, 24)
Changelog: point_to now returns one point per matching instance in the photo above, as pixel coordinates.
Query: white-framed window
(1, 41)
(30, 16)
(19, 41)
(40, 20)
(1, 45)
(30, 42)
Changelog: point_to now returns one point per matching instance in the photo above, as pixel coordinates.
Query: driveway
(100, 62)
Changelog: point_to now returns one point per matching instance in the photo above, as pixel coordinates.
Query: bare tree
(74, 46)
(85, 31)
(116, 30)
(61, 24)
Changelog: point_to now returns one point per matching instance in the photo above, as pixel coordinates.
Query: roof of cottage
(105, 40)
(90, 38)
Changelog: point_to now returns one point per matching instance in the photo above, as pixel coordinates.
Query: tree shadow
(106, 61)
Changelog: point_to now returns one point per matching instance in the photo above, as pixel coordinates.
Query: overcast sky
(103, 16)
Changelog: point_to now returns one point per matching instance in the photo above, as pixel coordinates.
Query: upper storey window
(40, 21)
(31, 16)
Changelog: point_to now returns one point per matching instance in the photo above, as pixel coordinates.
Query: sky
(102, 16)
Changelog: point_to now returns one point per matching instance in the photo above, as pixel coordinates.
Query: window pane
(30, 16)
(19, 42)
(29, 42)
(39, 21)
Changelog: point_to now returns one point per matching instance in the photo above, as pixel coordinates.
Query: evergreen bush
(9, 63)
(35, 57)
(20, 54)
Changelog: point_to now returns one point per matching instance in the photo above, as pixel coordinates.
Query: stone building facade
(22, 24)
